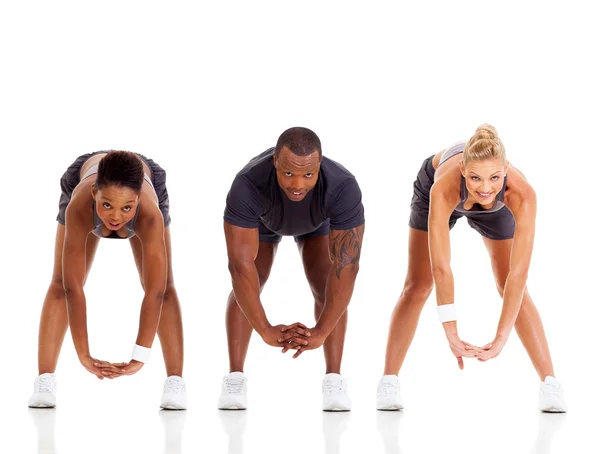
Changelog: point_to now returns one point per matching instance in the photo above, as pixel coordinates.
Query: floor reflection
(44, 420)
(388, 425)
(549, 425)
(334, 425)
(234, 424)
(173, 422)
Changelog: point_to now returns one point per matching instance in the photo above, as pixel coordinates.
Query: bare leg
(54, 320)
(417, 288)
(170, 326)
(528, 324)
(239, 329)
(316, 261)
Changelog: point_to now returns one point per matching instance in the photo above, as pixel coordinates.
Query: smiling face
(296, 175)
(484, 179)
(115, 205)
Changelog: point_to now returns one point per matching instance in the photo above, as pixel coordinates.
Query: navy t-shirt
(256, 197)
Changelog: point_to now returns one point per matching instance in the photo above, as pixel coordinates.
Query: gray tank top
(455, 149)
(130, 226)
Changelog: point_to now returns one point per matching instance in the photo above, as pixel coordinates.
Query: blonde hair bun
(485, 144)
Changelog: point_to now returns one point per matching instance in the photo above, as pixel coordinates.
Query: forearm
(149, 318)
(246, 288)
(76, 309)
(338, 293)
(513, 297)
(444, 292)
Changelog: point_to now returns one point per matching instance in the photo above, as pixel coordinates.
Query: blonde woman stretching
(473, 180)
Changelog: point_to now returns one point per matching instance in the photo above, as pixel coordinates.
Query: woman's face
(115, 205)
(484, 179)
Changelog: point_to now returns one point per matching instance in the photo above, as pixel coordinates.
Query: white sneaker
(174, 394)
(335, 393)
(551, 396)
(234, 392)
(44, 392)
(388, 393)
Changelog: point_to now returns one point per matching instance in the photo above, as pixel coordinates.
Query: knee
(500, 283)
(500, 289)
(319, 299)
(170, 293)
(318, 291)
(262, 277)
(56, 289)
(416, 291)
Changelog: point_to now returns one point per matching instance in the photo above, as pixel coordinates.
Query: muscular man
(292, 190)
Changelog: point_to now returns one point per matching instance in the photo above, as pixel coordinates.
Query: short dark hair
(300, 141)
(120, 168)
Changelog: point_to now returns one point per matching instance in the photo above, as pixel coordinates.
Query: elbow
(353, 269)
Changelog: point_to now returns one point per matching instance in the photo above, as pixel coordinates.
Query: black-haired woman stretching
(112, 194)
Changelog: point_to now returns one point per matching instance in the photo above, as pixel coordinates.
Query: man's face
(297, 175)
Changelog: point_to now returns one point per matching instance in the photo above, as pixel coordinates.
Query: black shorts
(499, 225)
(70, 180)
(267, 236)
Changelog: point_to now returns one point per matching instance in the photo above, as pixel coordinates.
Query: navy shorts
(499, 225)
(267, 236)
(70, 180)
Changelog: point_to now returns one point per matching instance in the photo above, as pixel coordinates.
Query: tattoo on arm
(344, 247)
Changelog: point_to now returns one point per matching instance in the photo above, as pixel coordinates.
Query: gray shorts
(267, 236)
(499, 225)
(70, 180)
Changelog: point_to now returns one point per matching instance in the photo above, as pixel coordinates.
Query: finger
(487, 346)
(484, 356)
(292, 326)
(120, 364)
(106, 366)
(461, 364)
(103, 365)
(471, 346)
(298, 353)
(113, 370)
(467, 353)
(297, 341)
(289, 335)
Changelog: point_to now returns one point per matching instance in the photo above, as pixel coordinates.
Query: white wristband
(447, 313)
(141, 354)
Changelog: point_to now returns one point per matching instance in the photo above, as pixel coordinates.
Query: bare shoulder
(446, 184)
(81, 205)
(518, 189)
(149, 216)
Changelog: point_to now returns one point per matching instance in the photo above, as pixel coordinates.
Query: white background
(202, 88)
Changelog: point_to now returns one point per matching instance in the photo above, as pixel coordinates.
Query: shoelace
(44, 385)
(551, 390)
(388, 388)
(331, 386)
(234, 385)
(173, 386)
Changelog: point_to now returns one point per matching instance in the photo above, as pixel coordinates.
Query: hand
(492, 349)
(276, 335)
(460, 348)
(129, 368)
(314, 339)
(101, 369)
(293, 337)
